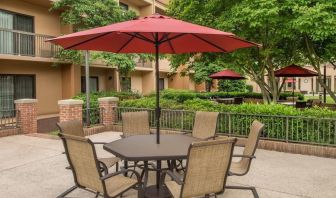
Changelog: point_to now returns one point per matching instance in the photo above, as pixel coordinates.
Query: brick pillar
(27, 115)
(107, 106)
(70, 110)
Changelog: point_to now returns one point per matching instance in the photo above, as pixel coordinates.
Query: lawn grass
(329, 99)
(54, 133)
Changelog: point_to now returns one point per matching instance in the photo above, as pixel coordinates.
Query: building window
(13, 87)
(16, 41)
(161, 84)
(123, 6)
(94, 84)
(126, 84)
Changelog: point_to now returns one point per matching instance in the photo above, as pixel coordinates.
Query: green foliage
(95, 95)
(183, 95)
(232, 85)
(86, 14)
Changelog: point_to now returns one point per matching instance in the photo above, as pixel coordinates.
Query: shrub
(232, 85)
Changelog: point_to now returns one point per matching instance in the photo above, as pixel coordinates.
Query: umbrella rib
(209, 42)
(139, 36)
(122, 47)
(88, 40)
(172, 38)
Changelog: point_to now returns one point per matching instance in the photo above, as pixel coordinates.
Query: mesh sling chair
(135, 123)
(81, 155)
(205, 125)
(242, 167)
(75, 128)
(203, 178)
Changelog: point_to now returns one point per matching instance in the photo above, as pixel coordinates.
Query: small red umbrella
(153, 34)
(294, 71)
(227, 75)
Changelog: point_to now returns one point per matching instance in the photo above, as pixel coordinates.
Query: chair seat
(174, 188)
(118, 184)
(110, 161)
(237, 168)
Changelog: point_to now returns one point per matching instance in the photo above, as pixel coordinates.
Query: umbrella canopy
(153, 34)
(294, 71)
(143, 34)
(227, 75)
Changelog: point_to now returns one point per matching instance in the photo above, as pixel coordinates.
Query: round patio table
(144, 148)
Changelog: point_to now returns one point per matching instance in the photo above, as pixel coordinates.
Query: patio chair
(204, 128)
(238, 100)
(205, 125)
(75, 128)
(86, 168)
(242, 167)
(135, 123)
(206, 171)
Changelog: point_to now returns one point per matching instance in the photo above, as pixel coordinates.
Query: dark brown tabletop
(144, 147)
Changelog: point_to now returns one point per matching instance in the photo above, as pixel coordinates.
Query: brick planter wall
(70, 110)
(108, 107)
(27, 117)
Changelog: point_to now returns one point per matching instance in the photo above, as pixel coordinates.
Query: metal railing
(20, 43)
(8, 119)
(143, 63)
(307, 130)
(96, 116)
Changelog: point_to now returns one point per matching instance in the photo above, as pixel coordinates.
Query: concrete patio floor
(35, 167)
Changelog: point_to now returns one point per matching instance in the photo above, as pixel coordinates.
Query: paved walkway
(34, 167)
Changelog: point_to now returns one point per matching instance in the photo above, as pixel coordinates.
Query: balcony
(142, 64)
(26, 44)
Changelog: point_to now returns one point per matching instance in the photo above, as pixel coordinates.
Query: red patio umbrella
(227, 75)
(294, 71)
(153, 34)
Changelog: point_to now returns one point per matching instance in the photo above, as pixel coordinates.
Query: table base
(153, 191)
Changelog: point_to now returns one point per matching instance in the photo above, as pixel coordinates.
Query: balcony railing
(20, 43)
(143, 63)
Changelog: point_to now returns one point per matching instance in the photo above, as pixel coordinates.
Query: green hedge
(183, 95)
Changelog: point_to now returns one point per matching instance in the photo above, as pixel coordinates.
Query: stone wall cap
(70, 102)
(25, 101)
(108, 99)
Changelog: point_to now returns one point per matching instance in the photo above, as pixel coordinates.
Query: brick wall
(108, 107)
(27, 116)
(70, 110)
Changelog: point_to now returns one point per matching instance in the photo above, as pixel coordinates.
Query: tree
(86, 14)
(315, 21)
(263, 21)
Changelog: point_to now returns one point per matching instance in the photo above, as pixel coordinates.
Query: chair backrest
(72, 127)
(291, 98)
(252, 143)
(83, 161)
(207, 167)
(135, 123)
(205, 124)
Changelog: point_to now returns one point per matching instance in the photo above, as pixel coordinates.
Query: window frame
(83, 85)
(33, 76)
(25, 15)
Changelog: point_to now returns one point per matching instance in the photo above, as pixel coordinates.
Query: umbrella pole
(87, 87)
(157, 78)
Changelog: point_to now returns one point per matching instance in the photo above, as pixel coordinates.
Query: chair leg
(251, 188)
(67, 192)
(97, 194)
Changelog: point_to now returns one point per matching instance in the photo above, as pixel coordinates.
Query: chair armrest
(211, 138)
(245, 156)
(99, 142)
(176, 178)
(121, 172)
